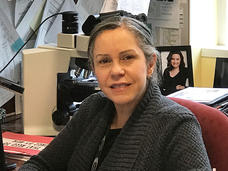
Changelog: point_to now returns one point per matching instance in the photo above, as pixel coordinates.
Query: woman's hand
(180, 87)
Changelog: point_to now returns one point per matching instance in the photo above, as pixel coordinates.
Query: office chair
(214, 126)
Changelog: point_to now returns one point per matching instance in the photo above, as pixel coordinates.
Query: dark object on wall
(93, 20)
(221, 73)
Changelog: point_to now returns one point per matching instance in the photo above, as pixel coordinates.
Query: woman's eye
(104, 61)
(128, 57)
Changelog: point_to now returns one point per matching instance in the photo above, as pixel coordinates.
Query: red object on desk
(24, 144)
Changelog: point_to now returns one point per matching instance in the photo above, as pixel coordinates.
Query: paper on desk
(21, 7)
(24, 144)
(198, 94)
(134, 6)
(51, 7)
(164, 13)
(56, 27)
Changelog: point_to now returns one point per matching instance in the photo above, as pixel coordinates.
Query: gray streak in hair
(140, 30)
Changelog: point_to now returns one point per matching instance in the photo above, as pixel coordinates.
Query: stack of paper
(207, 96)
(21, 146)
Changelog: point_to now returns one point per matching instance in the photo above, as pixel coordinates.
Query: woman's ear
(151, 65)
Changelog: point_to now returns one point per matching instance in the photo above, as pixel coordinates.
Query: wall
(203, 34)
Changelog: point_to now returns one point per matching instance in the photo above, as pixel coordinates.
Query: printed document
(202, 95)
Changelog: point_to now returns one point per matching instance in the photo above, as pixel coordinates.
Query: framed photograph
(176, 69)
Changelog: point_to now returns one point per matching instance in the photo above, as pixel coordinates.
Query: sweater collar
(126, 147)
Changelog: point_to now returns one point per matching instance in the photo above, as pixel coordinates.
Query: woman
(129, 125)
(175, 75)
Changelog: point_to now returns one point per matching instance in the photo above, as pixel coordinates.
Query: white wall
(203, 24)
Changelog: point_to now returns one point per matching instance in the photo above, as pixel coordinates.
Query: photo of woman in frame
(176, 68)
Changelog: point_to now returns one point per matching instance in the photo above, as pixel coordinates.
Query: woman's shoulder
(170, 108)
(166, 72)
(167, 69)
(95, 98)
(95, 102)
(185, 70)
(159, 105)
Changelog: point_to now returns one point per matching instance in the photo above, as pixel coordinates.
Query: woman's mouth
(121, 85)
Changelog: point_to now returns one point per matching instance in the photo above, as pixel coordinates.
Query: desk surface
(13, 123)
(19, 163)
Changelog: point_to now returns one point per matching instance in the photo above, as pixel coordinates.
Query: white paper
(51, 7)
(169, 36)
(56, 27)
(199, 94)
(23, 28)
(134, 6)
(109, 5)
(181, 19)
(5, 96)
(7, 7)
(8, 36)
(36, 21)
(86, 8)
(21, 7)
(164, 13)
(10, 33)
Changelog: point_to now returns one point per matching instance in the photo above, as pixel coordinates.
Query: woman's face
(175, 60)
(120, 66)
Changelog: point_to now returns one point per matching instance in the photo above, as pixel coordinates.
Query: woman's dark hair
(142, 34)
(169, 58)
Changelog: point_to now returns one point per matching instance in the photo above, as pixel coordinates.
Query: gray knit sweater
(159, 135)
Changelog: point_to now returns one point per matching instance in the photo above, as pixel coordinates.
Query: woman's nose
(117, 69)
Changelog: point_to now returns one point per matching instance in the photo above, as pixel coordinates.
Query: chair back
(214, 126)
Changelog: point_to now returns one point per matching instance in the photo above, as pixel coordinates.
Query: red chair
(214, 125)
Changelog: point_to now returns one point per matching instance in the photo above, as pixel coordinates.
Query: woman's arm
(58, 153)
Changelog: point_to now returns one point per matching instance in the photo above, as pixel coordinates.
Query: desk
(19, 163)
(14, 124)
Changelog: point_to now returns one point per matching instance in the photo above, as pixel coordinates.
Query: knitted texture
(159, 135)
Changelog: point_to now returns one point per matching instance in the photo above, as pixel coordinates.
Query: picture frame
(185, 52)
